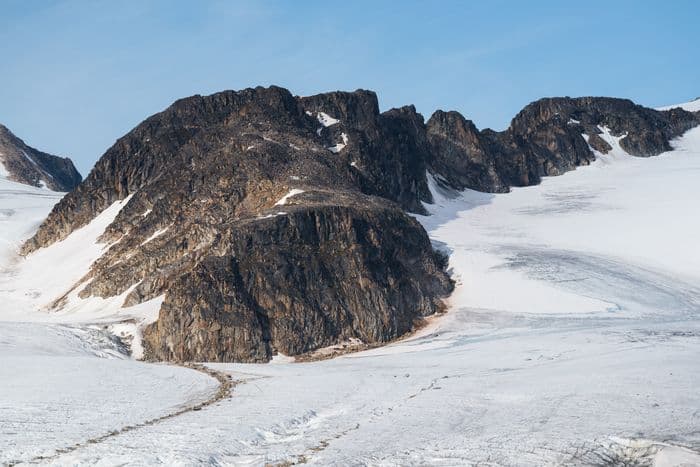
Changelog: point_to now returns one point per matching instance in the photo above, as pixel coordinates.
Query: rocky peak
(560, 110)
(548, 137)
(647, 132)
(387, 151)
(453, 125)
(356, 109)
(27, 165)
(248, 214)
(273, 223)
(192, 131)
(258, 104)
(462, 156)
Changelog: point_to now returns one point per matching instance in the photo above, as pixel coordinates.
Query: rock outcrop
(247, 213)
(274, 223)
(548, 137)
(30, 166)
(387, 151)
(318, 275)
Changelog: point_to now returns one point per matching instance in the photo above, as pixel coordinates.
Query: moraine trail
(224, 391)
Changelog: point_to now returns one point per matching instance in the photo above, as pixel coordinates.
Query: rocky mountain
(246, 211)
(274, 223)
(548, 137)
(24, 164)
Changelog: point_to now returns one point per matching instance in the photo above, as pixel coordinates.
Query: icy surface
(572, 338)
(64, 385)
(692, 106)
(4, 173)
(339, 146)
(22, 209)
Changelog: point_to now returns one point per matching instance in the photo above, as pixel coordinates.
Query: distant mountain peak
(24, 164)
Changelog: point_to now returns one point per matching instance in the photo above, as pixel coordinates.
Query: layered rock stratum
(24, 164)
(273, 223)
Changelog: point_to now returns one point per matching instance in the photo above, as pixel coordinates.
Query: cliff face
(465, 157)
(292, 283)
(30, 166)
(274, 223)
(248, 214)
(387, 152)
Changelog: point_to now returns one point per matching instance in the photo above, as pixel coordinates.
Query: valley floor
(572, 339)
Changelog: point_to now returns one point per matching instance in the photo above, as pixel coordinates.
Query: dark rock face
(33, 167)
(388, 151)
(275, 223)
(546, 138)
(648, 131)
(245, 276)
(317, 276)
(462, 156)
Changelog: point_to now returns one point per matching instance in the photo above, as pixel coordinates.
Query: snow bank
(326, 120)
(339, 146)
(3, 171)
(49, 273)
(26, 156)
(692, 106)
(293, 192)
(155, 235)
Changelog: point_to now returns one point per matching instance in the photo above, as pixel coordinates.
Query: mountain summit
(271, 223)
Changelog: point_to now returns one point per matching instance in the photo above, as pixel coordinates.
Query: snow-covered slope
(30, 285)
(22, 208)
(692, 106)
(572, 338)
(620, 210)
(63, 384)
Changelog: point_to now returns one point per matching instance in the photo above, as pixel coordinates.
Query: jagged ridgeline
(275, 223)
(24, 164)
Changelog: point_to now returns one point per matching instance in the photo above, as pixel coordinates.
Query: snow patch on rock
(293, 192)
(326, 120)
(155, 235)
(3, 171)
(339, 146)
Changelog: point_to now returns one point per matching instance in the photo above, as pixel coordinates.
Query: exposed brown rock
(297, 282)
(242, 276)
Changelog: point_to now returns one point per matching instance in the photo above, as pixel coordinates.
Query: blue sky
(76, 75)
